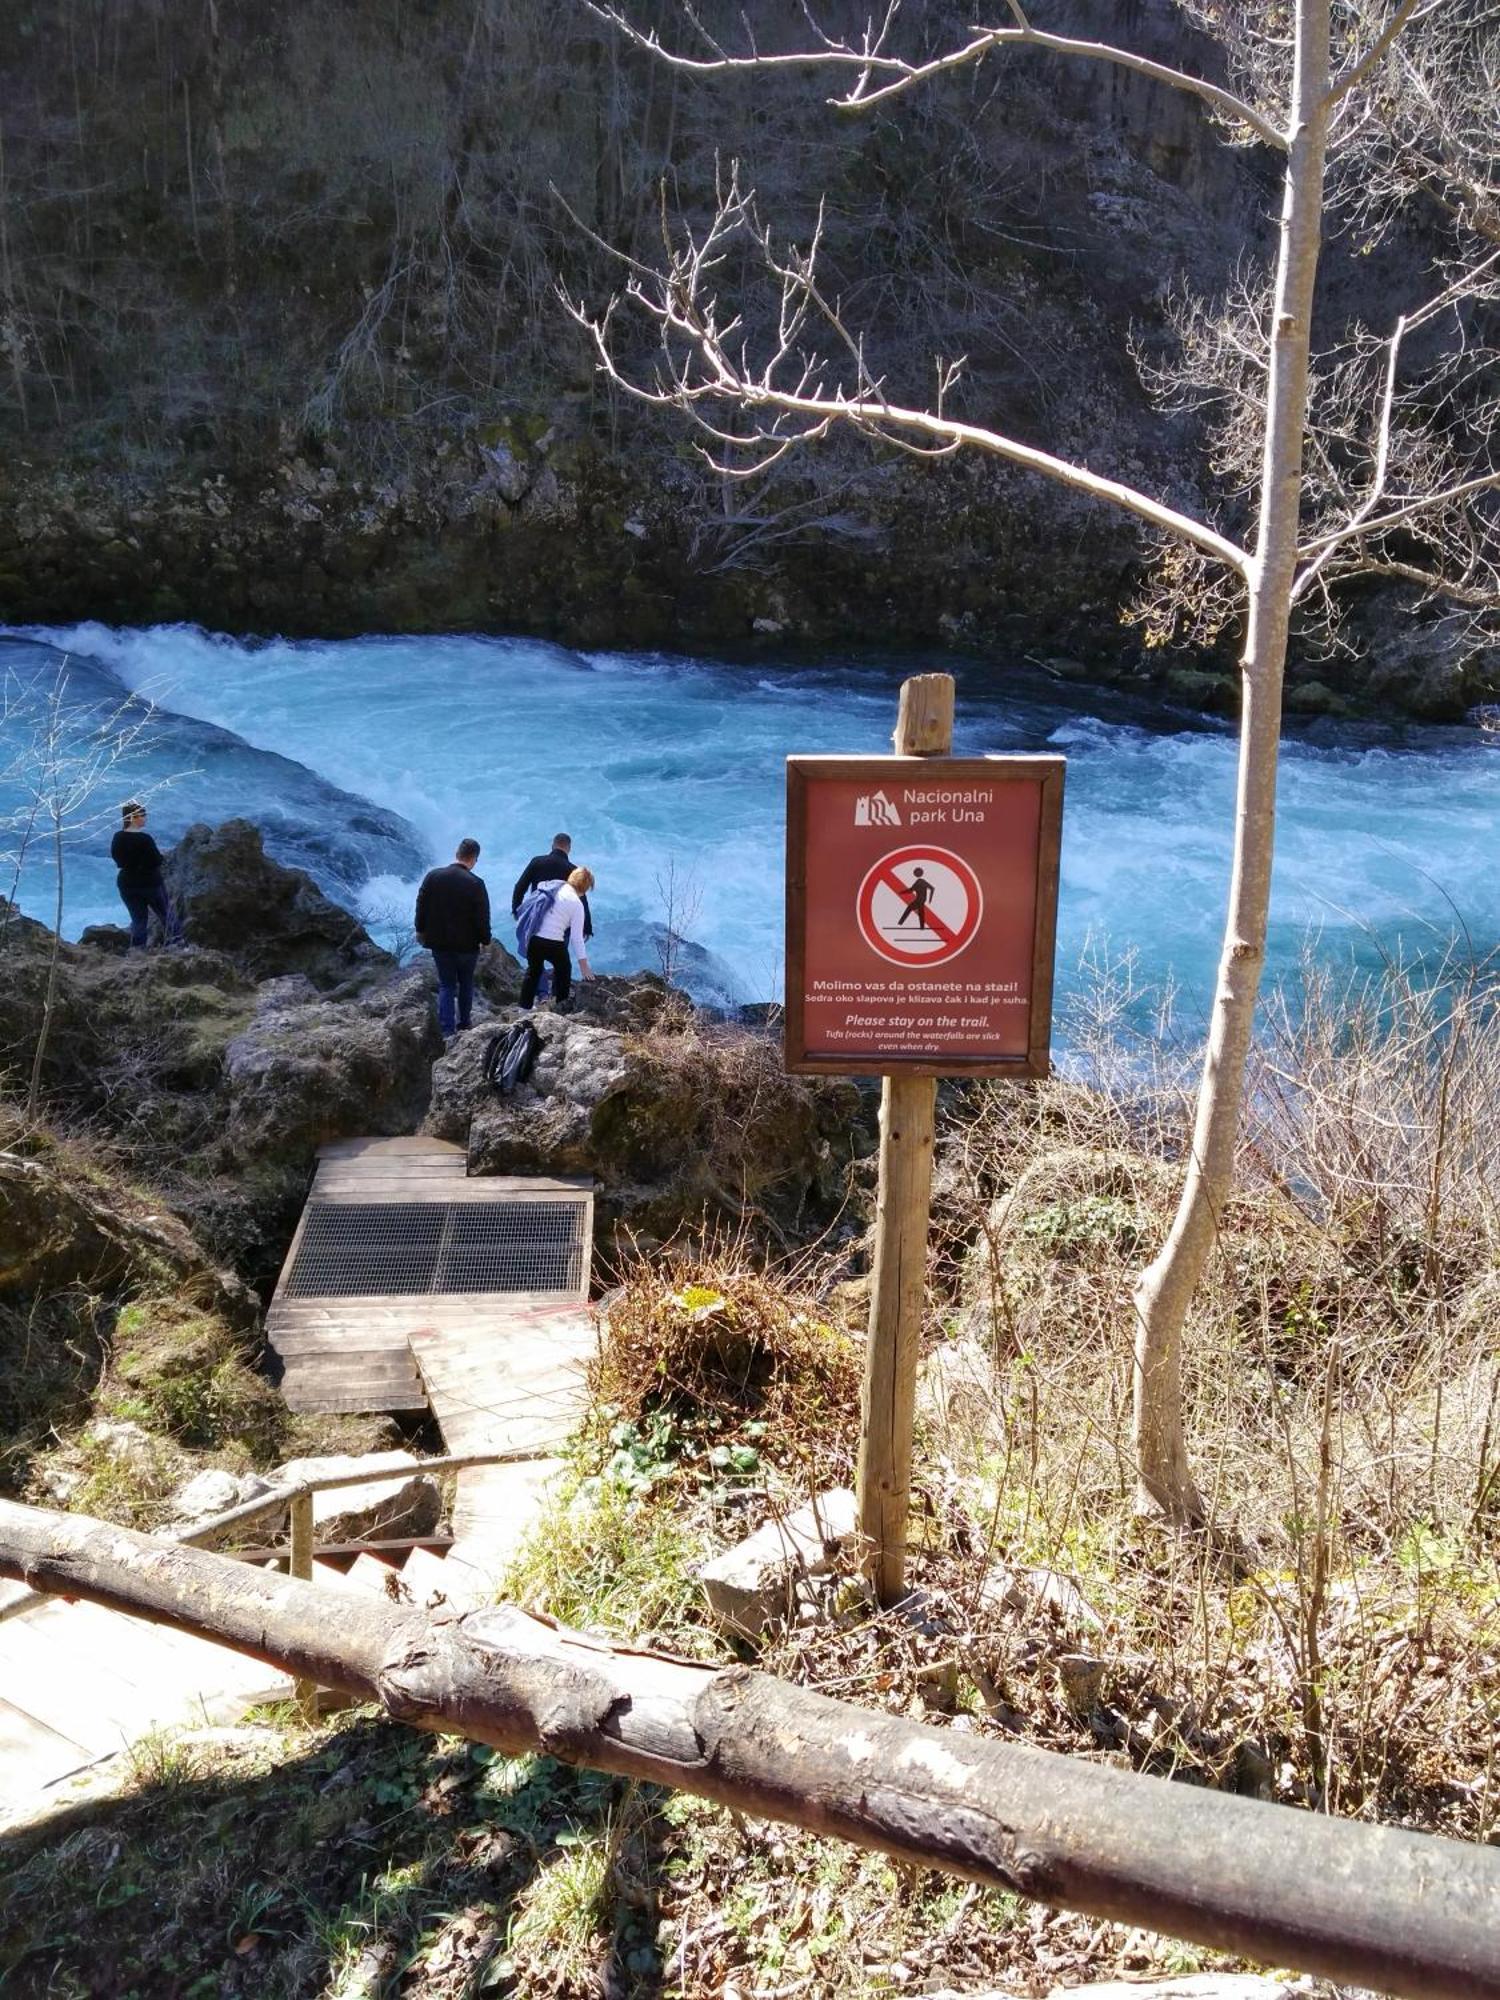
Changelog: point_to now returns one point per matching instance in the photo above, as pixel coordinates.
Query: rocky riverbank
(555, 538)
(186, 1093)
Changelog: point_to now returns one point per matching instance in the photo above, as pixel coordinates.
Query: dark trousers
(553, 952)
(143, 904)
(455, 971)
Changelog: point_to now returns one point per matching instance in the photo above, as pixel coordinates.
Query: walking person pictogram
(930, 883)
(919, 895)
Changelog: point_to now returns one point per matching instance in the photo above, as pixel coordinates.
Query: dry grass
(715, 1342)
(1339, 1634)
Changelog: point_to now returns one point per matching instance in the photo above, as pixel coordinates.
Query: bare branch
(1418, 503)
(705, 361)
(1357, 71)
(1433, 583)
(870, 59)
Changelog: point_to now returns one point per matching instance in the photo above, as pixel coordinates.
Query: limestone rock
(546, 1125)
(956, 1386)
(214, 1491)
(269, 919)
(61, 1228)
(752, 1586)
(1043, 1589)
(395, 1500)
(311, 1067)
(693, 1118)
(124, 1440)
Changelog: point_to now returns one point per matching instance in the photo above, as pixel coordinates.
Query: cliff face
(280, 346)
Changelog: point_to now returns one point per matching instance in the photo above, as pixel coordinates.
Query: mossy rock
(1314, 698)
(187, 1374)
(1211, 692)
(643, 1132)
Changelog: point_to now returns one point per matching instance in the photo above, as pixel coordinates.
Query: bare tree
(58, 769)
(679, 897)
(1377, 462)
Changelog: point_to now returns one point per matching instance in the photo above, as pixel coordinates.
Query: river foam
(659, 765)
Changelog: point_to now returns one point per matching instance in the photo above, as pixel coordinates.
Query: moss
(186, 1373)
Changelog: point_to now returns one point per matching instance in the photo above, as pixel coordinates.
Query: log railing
(296, 1497)
(1403, 1913)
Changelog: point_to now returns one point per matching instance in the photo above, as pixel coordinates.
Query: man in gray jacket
(453, 922)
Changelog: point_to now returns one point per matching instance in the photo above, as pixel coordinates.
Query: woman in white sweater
(560, 927)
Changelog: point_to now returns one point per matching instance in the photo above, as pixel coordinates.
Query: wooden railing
(1404, 1913)
(297, 1499)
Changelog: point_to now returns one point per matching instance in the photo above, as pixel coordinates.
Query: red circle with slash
(919, 906)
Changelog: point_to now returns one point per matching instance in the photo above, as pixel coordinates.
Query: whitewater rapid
(366, 759)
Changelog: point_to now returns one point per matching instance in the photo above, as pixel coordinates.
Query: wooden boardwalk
(82, 1684)
(407, 1286)
(78, 1684)
(491, 1330)
(394, 1238)
(513, 1384)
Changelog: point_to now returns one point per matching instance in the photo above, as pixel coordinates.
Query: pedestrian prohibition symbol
(919, 906)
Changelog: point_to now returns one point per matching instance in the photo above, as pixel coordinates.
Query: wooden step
(79, 1695)
(195, 1679)
(429, 1578)
(32, 1755)
(337, 1336)
(496, 1508)
(414, 1145)
(366, 1574)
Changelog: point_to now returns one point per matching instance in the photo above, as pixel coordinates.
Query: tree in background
(61, 755)
(679, 898)
(1374, 460)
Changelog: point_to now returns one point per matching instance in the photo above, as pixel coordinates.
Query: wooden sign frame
(1044, 772)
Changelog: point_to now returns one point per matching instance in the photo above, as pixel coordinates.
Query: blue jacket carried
(536, 905)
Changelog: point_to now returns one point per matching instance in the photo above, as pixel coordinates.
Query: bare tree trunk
(49, 999)
(1403, 1912)
(1164, 1290)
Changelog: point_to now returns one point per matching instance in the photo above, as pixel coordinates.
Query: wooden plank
(299, 1341)
(414, 1146)
(289, 1262)
(327, 1351)
(416, 1188)
(423, 1308)
(496, 1507)
(75, 1695)
(311, 1400)
(550, 1320)
(328, 1371)
(151, 1657)
(429, 1580)
(386, 1362)
(32, 1754)
(377, 1395)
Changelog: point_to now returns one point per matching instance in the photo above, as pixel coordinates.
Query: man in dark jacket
(554, 867)
(453, 922)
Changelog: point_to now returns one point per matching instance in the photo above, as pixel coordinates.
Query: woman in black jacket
(139, 881)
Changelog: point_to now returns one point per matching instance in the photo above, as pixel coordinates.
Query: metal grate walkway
(395, 1238)
(359, 1250)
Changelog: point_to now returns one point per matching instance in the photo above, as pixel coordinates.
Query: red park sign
(921, 914)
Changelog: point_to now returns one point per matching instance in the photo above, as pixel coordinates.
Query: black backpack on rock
(511, 1057)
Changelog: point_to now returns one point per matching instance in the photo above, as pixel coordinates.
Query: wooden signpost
(921, 922)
